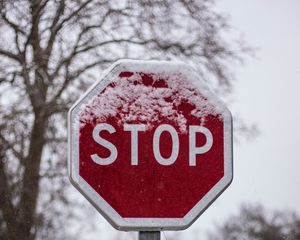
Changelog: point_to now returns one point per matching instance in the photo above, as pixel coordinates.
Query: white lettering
(193, 150)
(111, 147)
(134, 129)
(175, 145)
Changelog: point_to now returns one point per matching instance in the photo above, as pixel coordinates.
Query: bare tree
(255, 223)
(50, 51)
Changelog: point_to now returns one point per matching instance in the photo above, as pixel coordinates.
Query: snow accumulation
(135, 97)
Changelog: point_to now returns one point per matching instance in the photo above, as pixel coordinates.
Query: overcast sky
(266, 170)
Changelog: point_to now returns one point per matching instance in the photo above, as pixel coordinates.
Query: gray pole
(149, 235)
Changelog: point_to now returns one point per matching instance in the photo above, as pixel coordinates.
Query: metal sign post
(149, 235)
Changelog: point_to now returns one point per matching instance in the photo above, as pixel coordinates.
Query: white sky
(265, 170)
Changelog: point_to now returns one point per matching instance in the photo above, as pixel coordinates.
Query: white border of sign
(147, 224)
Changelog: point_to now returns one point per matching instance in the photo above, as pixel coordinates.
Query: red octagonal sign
(150, 145)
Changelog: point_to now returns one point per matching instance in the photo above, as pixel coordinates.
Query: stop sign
(150, 145)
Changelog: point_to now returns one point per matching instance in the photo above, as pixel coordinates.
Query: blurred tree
(254, 223)
(50, 51)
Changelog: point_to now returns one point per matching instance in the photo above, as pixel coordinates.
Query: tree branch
(54, 28)
(57, 27)
(52, 105)
(10, 146)
(10, 23)
(74, 13)
(11, 55)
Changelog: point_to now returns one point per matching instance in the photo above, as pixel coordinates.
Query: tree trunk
(5, 202)
(30, 189)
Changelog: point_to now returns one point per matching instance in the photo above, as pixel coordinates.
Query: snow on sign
(150, 145)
